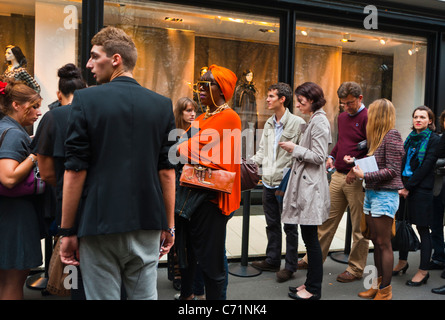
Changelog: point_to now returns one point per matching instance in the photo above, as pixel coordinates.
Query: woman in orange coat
(214, 143)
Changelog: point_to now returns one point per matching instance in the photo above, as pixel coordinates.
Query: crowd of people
(105, 154)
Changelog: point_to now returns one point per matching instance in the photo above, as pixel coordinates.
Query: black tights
(380, 228)
(425, 248)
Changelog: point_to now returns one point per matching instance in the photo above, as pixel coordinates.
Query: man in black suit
(119, 186)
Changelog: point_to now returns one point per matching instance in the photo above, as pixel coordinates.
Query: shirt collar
(359, 110)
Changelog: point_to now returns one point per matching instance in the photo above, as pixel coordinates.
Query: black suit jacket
(118, 132)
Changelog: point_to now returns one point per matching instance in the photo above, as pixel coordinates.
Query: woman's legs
(11, 284)
(383, 255)
(315, 261)
(425, 253)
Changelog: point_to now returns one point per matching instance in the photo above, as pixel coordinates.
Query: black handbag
(405, 238)
(440, 167)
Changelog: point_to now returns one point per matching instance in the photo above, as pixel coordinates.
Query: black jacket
(423, 176)
(118, 132)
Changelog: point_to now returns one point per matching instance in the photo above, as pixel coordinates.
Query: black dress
(20, 223)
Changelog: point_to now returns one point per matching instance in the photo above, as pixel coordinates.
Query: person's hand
(167, 241)
(349, 159)
(287, 145)
(329, 164)
(358, 172)
(404, 192)
(350, 177)
(69, 250)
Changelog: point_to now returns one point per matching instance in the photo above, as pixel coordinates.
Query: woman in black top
(417, 194)
(20, 235)
(49, 143)
(49, 140)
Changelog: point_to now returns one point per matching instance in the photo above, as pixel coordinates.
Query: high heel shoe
(418, 283)
(403, 270)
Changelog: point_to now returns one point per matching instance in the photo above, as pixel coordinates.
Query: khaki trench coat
(306, 199)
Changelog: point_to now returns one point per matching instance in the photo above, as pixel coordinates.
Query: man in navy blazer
(119, 186)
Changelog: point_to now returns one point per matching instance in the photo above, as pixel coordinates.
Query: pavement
(264, 287)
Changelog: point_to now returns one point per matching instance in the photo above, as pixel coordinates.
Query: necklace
(218, 110)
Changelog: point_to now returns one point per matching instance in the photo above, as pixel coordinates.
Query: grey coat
(306, 200)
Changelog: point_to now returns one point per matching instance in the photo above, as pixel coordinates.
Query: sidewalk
(265, 286)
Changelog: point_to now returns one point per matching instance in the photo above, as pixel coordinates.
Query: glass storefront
(386, 65)
(47, 32)
(176, 42)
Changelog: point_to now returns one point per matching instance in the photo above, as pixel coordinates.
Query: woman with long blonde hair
(381, 192)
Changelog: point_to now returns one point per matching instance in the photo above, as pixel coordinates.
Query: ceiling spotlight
(347, 38)
(173, 19)
(267, 30)
(382, 41)
(413, 50)
(304, 33)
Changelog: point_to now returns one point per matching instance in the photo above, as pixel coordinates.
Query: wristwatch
(66, 232)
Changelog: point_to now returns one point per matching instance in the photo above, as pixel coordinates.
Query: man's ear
(116, 59)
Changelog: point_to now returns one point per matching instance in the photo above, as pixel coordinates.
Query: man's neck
(280, 113)
(121, 73)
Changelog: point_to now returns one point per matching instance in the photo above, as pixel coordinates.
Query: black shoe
(403, 270)
(297, 297)
(436, 266)
(440, 290)
(419, 283)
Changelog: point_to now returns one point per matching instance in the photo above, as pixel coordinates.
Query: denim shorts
(381, 202)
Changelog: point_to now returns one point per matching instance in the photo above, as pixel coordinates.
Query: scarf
(419, 141)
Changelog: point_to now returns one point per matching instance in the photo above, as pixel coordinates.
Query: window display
(385, 65)
(176, 43)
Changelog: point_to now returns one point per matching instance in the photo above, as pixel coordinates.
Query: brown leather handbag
(220, 180)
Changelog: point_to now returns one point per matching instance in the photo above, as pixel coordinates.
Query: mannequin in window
(16, 67)
(244, 103)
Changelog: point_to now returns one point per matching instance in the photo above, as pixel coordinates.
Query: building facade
(392, 50)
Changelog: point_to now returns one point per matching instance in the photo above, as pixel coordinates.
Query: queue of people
(107, 152)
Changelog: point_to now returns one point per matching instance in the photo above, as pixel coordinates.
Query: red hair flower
(2, 87)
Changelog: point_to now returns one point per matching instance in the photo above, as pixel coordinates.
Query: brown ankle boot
(371, 292)
(384, 294)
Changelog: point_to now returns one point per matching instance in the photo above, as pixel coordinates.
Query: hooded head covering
(226, 80)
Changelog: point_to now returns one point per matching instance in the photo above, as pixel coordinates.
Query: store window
(47, 33)
(386, 65)
(176, 41)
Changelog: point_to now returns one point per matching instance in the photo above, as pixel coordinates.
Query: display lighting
(383, 41)
(304, 33)
(173, 19)
(413, 50)
(347, 38)
(267, 30)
